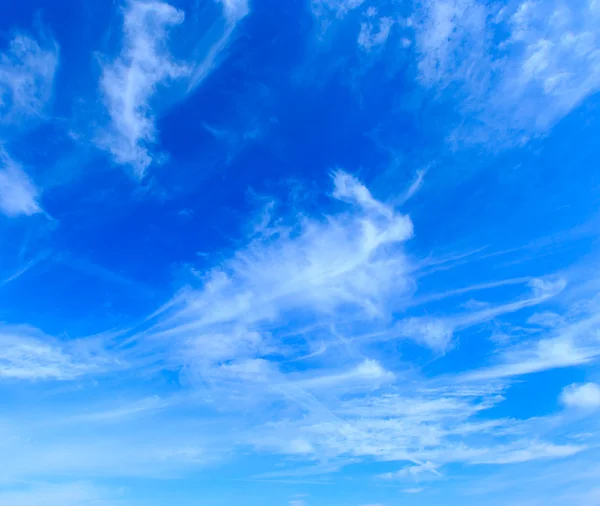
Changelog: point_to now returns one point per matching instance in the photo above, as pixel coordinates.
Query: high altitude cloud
(287, 324)
(375, 30)
(129, 83)
(519, 69)
(345, 267)
(28, 354)
(18, 194)
(570, 344)
(288, 327)
(27, 72)
(338, 7)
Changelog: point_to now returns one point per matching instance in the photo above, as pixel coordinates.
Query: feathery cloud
(132, 84)
(129, 83)
(18, 194)
(27, 72)
(28, 354)
(517, 70)
(568, 345)
(375, 30)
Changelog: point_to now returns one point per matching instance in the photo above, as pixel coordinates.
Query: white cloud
(374, 31)
(518, 71)
(414, 472)
(434, 333)
(442, 29)
(337, 8)
(344, 267)
(585, 396)
(129, 83)
(26, 79)
(285, 325)
(569, 345)
(18, 194)
(28, 354)
(133, 84)
(527, 451)
(438, 333)
(368, 374)
(235, 10)
(288, 328)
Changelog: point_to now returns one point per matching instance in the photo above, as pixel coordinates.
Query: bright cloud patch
(586, 396)
(519, 69)
(26, 78)
(28, 354)
(129, 83)
(357, 261)
(18, 194)
(145, 69)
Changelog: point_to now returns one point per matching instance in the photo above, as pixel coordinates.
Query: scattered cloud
(414, 472)
(307, 339)
(27, 72)
(291, 275)
(28, 354)
(235, 10)
(519, 452)
(375, 30)
(18, 194)
(337, 8)
(571, 344)
(132, 84)
(517, 70)
(129, 83)
(584, 396)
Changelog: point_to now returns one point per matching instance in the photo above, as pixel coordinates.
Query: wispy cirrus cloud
(27, 71)
(375, 30)
(291, 275)
(18, 193)
(131, 85)
(570, 344)
(517, 69)
(338, 8)
(288, 326)
(29, 354)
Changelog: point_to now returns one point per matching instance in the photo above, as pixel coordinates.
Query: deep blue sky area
(299, 253)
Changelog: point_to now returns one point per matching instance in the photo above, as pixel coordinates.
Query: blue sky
(299, 253)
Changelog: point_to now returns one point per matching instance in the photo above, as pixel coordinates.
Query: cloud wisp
(27, 71)
(132, 84)
(18, 194)
(289, 326)
(517, 70)
(129, 83)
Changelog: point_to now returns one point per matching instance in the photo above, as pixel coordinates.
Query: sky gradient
(300, 253)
